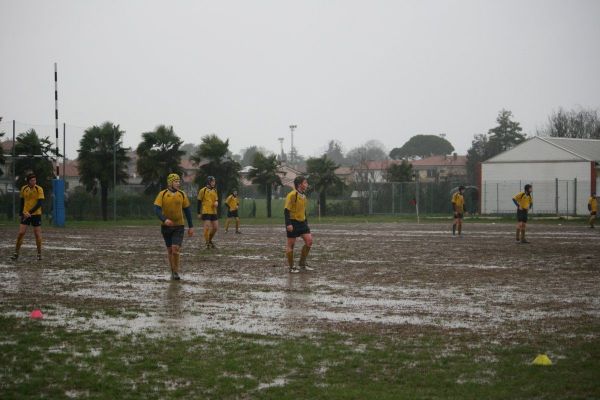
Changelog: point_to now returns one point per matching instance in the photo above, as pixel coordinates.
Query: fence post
(567, 182)
(556, 195)
(575, 197)
(497, 199)
(393, 198)
(400, 195)
(370, 198)
(417, 200)
(483, 197)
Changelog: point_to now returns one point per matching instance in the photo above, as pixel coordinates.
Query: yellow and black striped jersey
(295, 202)
(31, 195)
(172, 204)
(208, 197)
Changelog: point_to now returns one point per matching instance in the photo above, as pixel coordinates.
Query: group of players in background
(172, 205)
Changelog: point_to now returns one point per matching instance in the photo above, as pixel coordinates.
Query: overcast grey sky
(345, 70)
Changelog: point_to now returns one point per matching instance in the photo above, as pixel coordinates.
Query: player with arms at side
(208, 201)
(233, 204)
(170, 206)
(32, 197)
(458, 205)
(524, 202)
(296, 224)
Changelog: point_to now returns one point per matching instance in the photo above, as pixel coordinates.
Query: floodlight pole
(14, 173)
(281, 144)
(292, 152)
(56, 117)
(64, 151)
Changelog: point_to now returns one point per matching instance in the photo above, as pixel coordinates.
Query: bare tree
(580, 123)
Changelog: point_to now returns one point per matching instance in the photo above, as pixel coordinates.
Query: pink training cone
(37, 314)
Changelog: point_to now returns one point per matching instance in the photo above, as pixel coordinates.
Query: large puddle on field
(477, 283)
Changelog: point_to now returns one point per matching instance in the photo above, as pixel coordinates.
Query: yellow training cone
(542, 359)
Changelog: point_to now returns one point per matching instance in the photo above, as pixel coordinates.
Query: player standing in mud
(593, 209)
(233, 204)
(524, 201)
(296, 224)
(458, 205)
(208, 201)
(170, 205)
(30, 211)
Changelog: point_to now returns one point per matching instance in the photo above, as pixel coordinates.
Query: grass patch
(39, 360)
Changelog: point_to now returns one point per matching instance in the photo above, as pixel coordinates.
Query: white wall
(501, 181)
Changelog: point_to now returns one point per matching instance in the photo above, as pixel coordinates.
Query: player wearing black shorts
(524, 202)
(233, 204)
(208, 201)
(170, 205)
(296, 224)
(458, 206)
(30, 213)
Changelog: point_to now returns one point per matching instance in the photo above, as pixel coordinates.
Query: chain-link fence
(368, 199)
(557, 197)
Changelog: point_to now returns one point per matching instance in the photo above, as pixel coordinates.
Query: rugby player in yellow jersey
(524, 201)
(458, 205)
(593, 208)
(208, 201)
(170, 206)
(30, 211)
(233, 204)
(296, 224)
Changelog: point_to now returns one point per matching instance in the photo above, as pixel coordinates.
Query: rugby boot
(14, 257)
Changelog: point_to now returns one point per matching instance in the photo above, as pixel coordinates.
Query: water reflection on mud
(368, 275)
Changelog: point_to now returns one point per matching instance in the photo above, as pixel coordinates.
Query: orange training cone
(37, 314)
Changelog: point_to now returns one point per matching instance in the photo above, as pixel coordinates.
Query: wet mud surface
(368, 278)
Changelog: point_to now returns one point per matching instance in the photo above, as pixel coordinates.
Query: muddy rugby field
(369, 278)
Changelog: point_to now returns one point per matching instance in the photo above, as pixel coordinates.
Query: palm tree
(265, 173)
(214, 159)
(39, 152)
(322, 177)
(97, 149)
(159, 155)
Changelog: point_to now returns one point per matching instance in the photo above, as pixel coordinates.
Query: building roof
(441, 161)
(433, 161)
(588, 149)
(540, 149)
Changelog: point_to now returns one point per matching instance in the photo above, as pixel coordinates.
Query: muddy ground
(369, 278)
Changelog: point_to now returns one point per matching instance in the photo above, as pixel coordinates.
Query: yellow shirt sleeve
(186, 200)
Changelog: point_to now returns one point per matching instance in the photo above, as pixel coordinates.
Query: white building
(563, 173)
